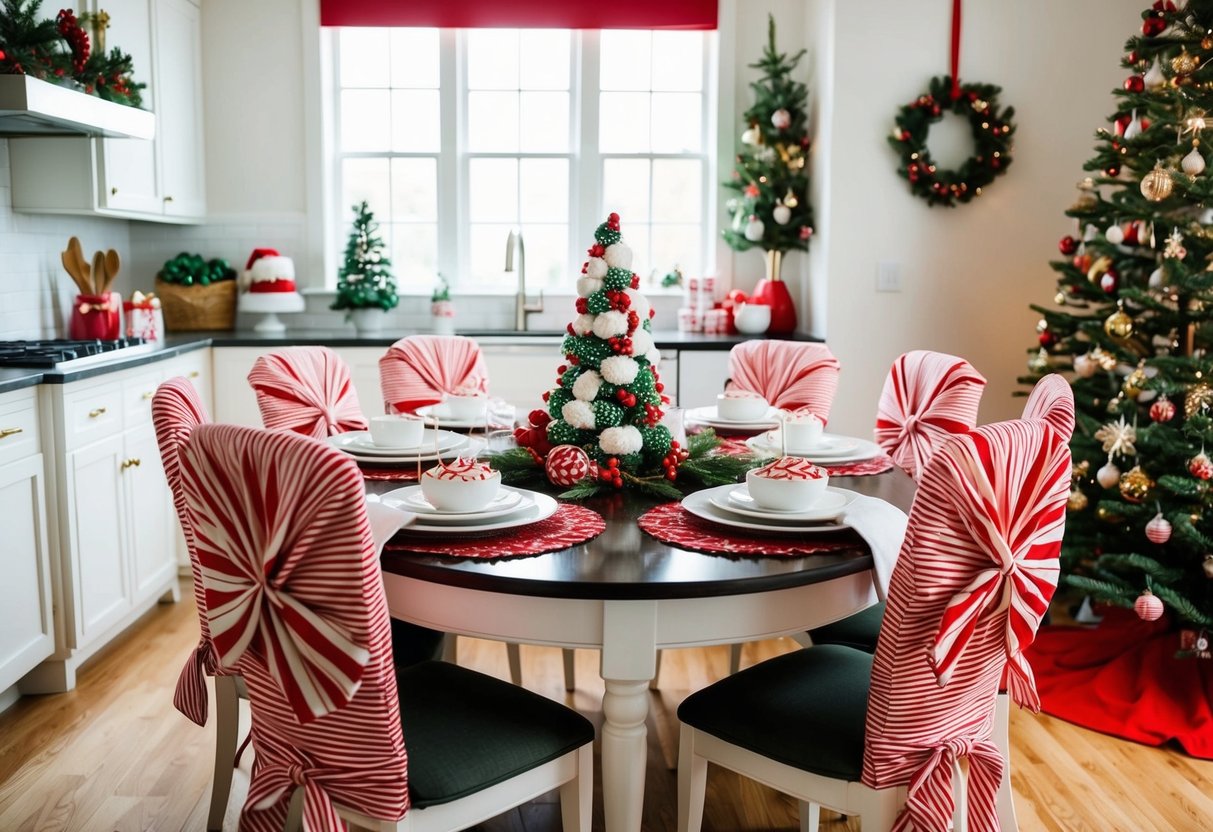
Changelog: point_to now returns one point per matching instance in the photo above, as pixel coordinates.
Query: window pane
(492, 59)
(625, 190)
(625, 60)
(544, 188)
(365, 120)
(623, 122)
(678, 245)
(545, 59)
(637, 237)
(547, 257)
(488, 256)
(415, 58)
(415, 121)
(493, 122)
(414, 254)
(365, 179)
(364, 57)
(545, 122)
(676, 122)
(414, 190)
(493, 187)
(677, 190)
(677, 61)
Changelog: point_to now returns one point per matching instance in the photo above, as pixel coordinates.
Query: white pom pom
(621, 440)
(596, 267)
(618, 256)
(587, 286)
(586, 386)
(583, 324)
(640, 304)
(619, 369)
(609, 324)
(642, 341)
(579, 414)
(654, 356)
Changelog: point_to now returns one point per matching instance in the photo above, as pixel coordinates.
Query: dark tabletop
(624, 563)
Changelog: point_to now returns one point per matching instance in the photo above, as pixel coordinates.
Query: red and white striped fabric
(421, 370)
(1052, 399)
(788, 374)
(306, 390)
(295, 602)
(975, 575)
(927, 397)
(176, 411)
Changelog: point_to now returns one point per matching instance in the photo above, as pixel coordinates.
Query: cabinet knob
(168, 199)
(6, 432)
(113, 191)
(130, 463)
(95, 412)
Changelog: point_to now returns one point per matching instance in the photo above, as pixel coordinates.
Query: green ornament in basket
(196, 293)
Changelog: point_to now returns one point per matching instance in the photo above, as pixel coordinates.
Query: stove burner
(51, 354)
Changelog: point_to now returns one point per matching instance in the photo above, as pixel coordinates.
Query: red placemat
(671, 523)
(569, 526)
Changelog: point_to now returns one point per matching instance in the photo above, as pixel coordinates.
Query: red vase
(774, 293)
(96, 317)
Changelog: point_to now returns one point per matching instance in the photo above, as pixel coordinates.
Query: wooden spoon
(69, 265)
(112, 265)
(99, 281)
(82, 267)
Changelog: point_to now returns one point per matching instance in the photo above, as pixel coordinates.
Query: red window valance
(523, 14)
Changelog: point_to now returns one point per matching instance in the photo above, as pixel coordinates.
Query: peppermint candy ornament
(1200, 466)
(1148, 607)
(1158, 530)
(1162, 410)
(568, 465)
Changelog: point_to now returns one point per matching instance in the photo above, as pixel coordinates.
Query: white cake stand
(270, 305)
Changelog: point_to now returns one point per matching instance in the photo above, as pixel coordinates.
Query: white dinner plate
(542, 508)
(738, 501)
(471, 448)
(439, 415)
(862, 449)
(507, 500)
(699, 503)
(432, 441)
(830, 444)
(707, 416)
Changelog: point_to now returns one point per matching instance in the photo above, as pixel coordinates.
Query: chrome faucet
(521, 307)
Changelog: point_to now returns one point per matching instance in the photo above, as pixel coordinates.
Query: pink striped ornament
(1148, 606)
(1158, 530)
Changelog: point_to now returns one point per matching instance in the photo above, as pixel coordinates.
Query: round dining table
(629, 596)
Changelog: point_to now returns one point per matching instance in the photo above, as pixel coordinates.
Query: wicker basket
(195, 308)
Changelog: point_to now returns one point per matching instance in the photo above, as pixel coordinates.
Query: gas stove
(62, 354)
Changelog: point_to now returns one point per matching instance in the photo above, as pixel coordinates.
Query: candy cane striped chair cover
(420, 370)
(788, 374)
(1052, 399)
(294, 600)
(176, 411)
(927, 397)
(306, 390)
(880, 736)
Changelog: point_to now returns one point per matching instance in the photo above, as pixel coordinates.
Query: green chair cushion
(860, 630)
(465, 731)
(805, 709)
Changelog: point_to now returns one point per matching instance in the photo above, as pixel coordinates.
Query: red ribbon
(955, 49)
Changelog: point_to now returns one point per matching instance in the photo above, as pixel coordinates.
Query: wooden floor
(115, 755)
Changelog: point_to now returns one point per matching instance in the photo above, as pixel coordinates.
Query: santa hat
(268, 264)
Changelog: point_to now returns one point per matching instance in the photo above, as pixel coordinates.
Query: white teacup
(741, 406)
(465, 406)
(787, 484)
(460, 485)
(802, 431)
(398, 430)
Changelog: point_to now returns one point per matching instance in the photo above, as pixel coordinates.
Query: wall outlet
(888, 276)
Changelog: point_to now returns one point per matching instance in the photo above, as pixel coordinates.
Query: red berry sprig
(596, 250)
(613, 222)
(582, 305)
(619, 300)
(635, 281)
(625, 398)
(69, 28)
(620, 346)
(610, 473)
(652, 414)
(673, 459)
(633, 321)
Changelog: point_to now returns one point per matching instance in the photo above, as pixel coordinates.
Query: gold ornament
(1077, 501)
(790, 199)
(1174, 249)
(1135, 485)
(1098, 268)
(1157, 185)
(1060, 298)
(1207, 41)
(1200, 396)
(1135, 383)
(1104, 359)
(1184, 63)
(1118, 324)
(1080, 470)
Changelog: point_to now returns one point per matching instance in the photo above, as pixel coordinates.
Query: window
(455, 137)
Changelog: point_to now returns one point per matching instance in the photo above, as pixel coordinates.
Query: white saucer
(470, 448)
(836, 455)
(738, 500)
(542, 507)
(438, 414)
(507, 500)
(708, 416)
(360, 441)
(699, 503)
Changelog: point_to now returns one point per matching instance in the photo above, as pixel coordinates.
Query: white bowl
(459, 494)
(802, 432)
(741, 406)
(752, 318)
(465, 407)
(786, 494)
(399, 430)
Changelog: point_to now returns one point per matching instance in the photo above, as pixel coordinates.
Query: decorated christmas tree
(365, 280)
(1133, 322)
(31, 44)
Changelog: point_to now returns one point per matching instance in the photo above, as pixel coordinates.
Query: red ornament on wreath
(1148, 607)
(1200, 466)
(568, 465)
(1162, 410)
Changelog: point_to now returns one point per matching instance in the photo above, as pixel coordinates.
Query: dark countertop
(17, 378)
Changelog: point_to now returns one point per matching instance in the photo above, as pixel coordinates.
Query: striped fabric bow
(788, 374)
(927, 397)
(277, 781)
(1052, 400)
(1013, 508)
(274, 516)
(306, 390)
(421, 370)
(931, 802)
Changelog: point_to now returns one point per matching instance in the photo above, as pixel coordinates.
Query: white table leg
(629, 663)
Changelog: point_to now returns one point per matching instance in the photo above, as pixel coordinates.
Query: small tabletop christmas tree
(365, 280)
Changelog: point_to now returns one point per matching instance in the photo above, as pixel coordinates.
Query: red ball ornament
(1200, 466)
(1108, 281)
(568, 465)
(1131, 58)
(1135, 83)
(1112, 171)
(1082, 262)
(1148, 607)
(2, 55)
(1047, 339)
(1162, 410)
(1152, 27)
(539, 418)
(1132, 234)
(1068, 245)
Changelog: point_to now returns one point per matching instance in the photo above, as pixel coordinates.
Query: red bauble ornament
(1068, 245)
(539, 418)
(1109, 280)
(1047, 339)
(1148, 607)
(1152, 27)
(2, 55)
(1131, 58)
(1200, 466)
(568, 465)
(1112, 171)
(1135, 83)
(1158, 530)
(1082, 262)
(1162, 410)
(1132, 233)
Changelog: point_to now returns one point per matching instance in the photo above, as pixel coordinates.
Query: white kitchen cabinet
(160, 179)
(27, 635)
(701, 376)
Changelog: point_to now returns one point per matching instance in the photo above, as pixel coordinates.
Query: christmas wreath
(991, 127)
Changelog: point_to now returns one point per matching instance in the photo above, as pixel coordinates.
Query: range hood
(29, 107)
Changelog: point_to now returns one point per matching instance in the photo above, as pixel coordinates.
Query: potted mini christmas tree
(365, 286)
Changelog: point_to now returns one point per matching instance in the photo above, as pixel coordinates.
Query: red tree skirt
(1122, 678)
